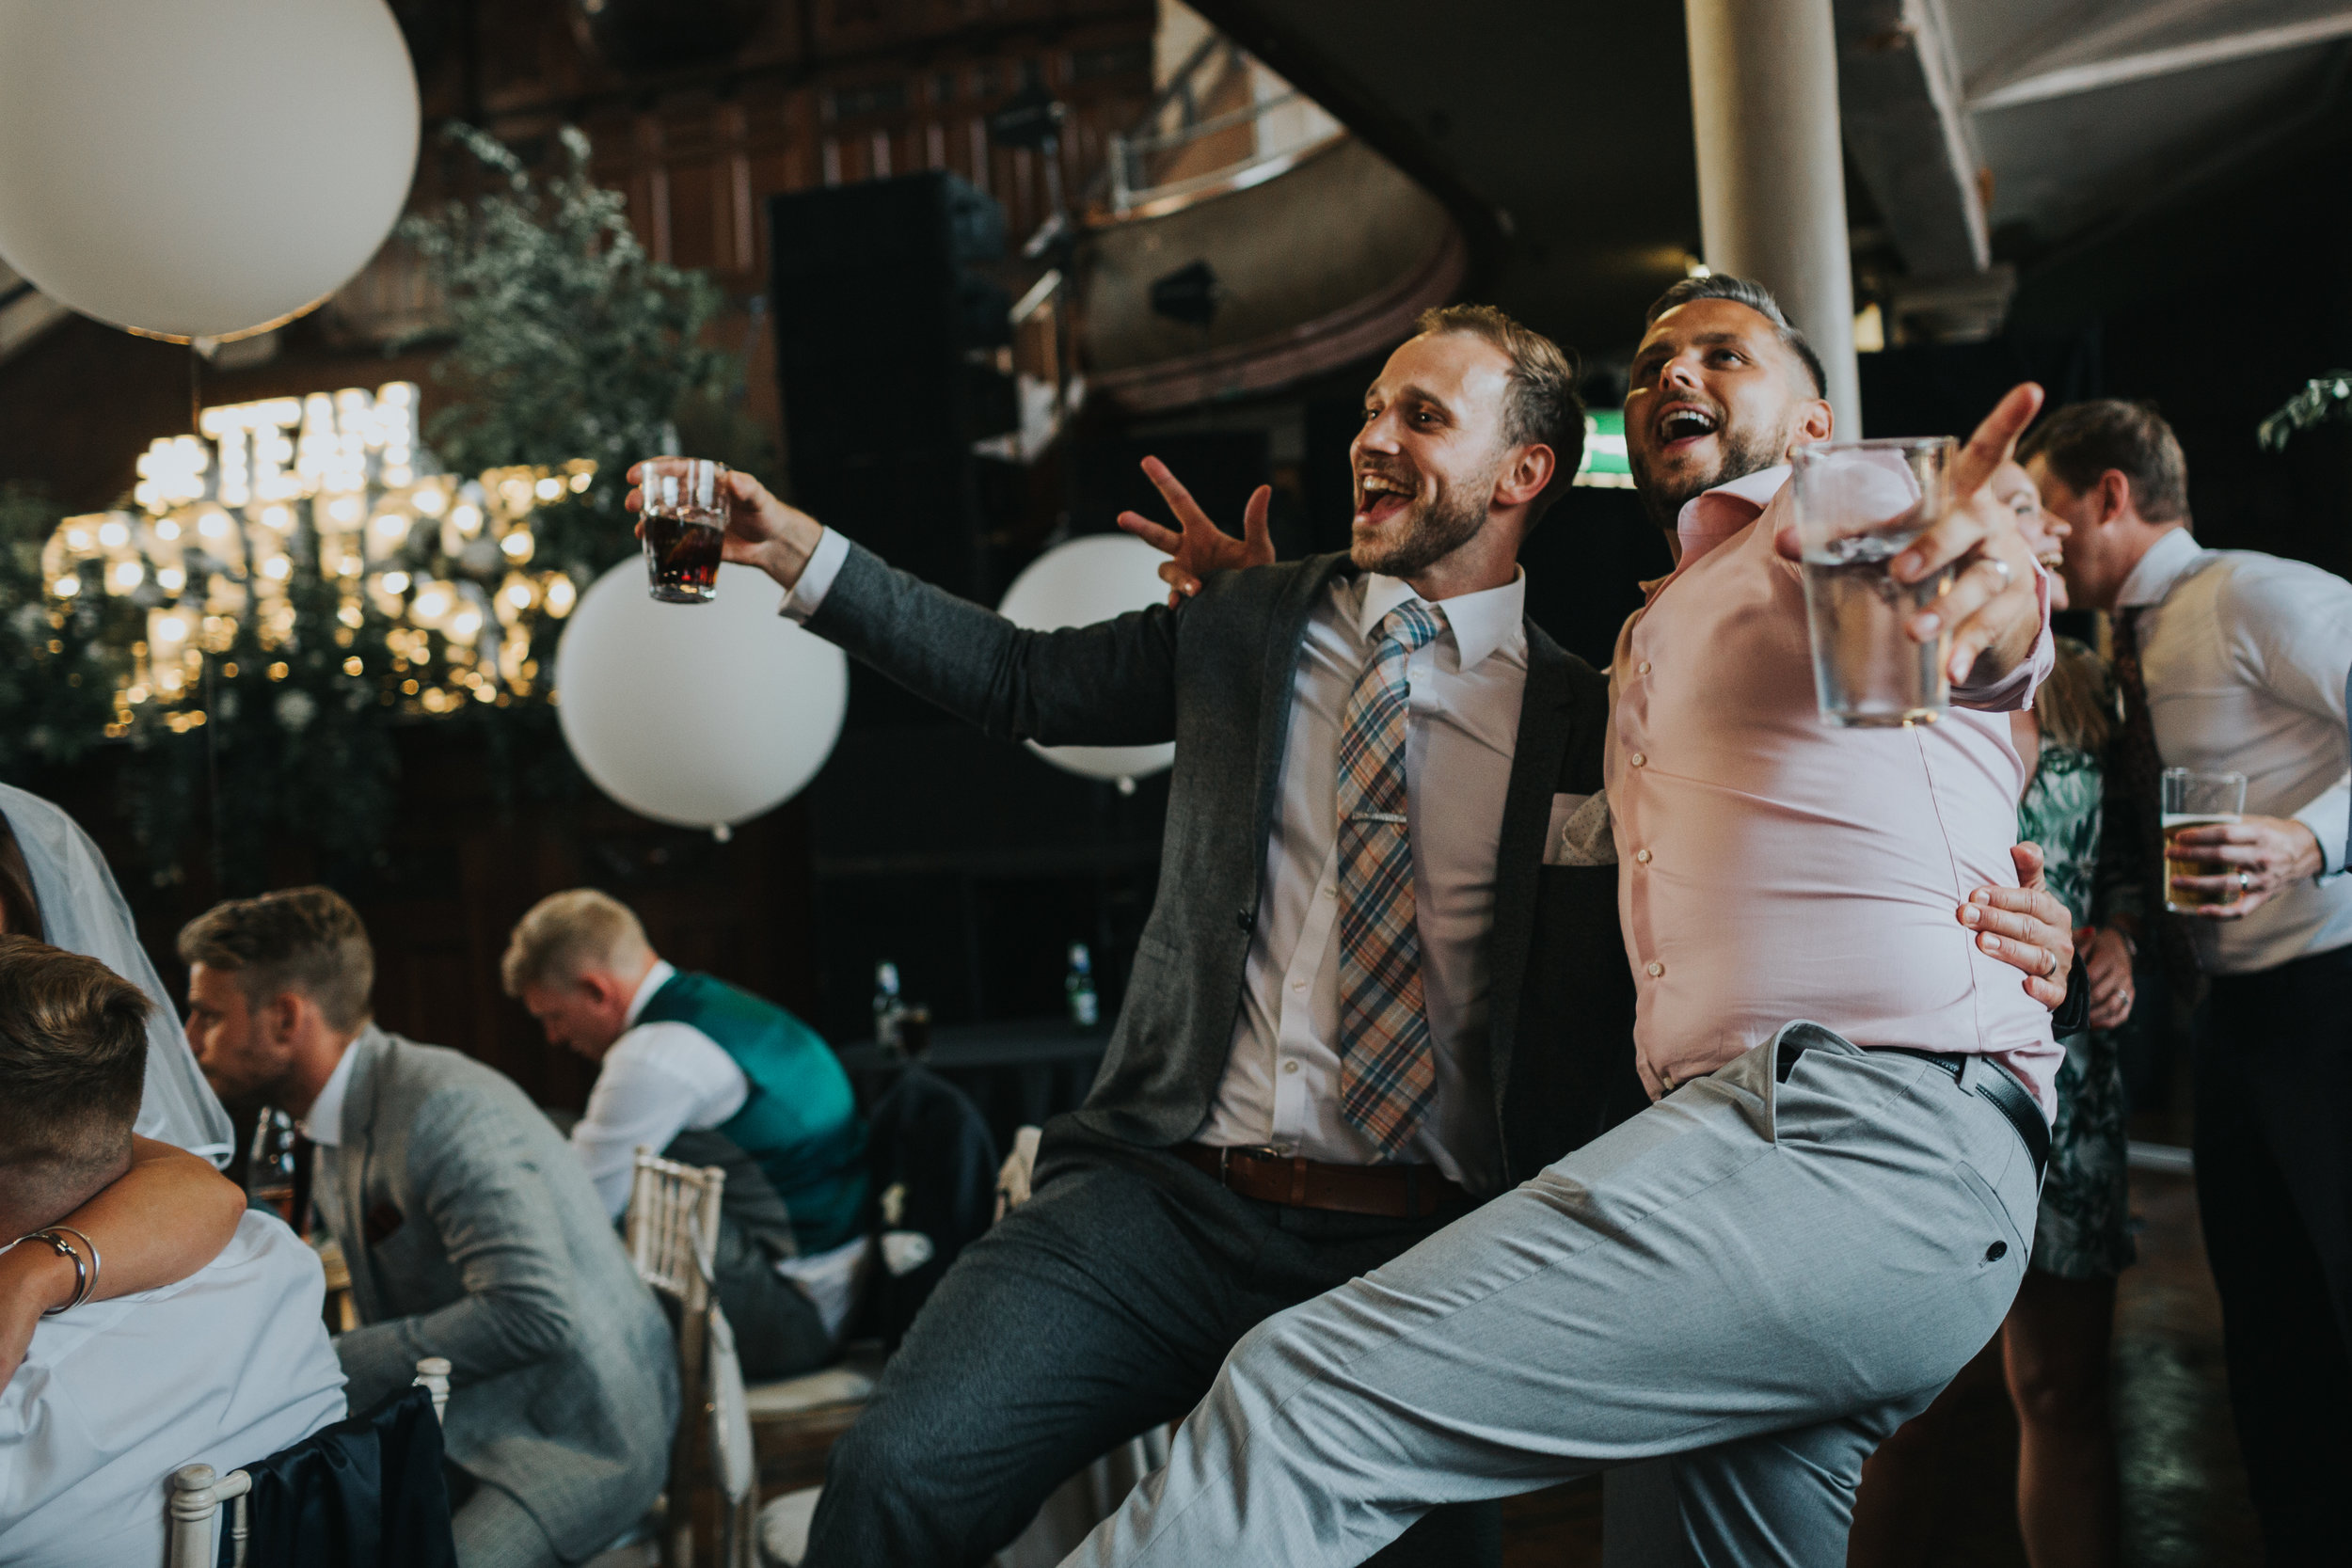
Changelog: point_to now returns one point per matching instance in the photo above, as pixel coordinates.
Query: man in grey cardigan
(470, 1227)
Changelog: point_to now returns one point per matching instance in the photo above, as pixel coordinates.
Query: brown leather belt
(1398, 1192)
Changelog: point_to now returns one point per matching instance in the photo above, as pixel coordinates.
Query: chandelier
(293, 524)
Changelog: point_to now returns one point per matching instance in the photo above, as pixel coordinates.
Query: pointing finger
(1995, 440)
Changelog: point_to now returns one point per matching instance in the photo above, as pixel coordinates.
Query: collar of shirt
(1481, 622)
(324, 1124)
(655, 977)
(2167, 561)
(1714, 515)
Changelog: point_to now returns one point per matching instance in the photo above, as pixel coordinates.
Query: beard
(1428, 532)
(1742, 452)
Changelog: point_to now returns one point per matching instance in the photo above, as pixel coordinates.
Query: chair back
(673, 1228)
(673, 1242)
(197, 1491)
(734, 1465)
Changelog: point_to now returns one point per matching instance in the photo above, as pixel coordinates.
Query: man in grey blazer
(1261, 1130)
(470, 1227)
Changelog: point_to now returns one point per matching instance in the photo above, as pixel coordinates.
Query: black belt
(2008, 1095)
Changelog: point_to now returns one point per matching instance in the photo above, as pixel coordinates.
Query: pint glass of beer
(1858, 505)
(686, 525)
(2193, 800)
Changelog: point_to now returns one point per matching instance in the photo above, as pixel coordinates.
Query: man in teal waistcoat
(709, 1074)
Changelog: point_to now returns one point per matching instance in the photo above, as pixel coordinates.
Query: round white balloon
(1076, 584)
(198, 170)
(700, 715)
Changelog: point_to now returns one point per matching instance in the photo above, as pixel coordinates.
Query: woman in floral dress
(2054, 1347)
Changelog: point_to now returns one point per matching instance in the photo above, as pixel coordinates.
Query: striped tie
(1387, 1075)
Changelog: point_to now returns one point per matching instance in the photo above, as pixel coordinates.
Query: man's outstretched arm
(1113, 684)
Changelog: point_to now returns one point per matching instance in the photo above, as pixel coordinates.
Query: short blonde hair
(567, 933)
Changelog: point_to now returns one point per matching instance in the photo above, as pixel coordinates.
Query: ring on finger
(2244, 881)
(2008, 575)
(2051, 972)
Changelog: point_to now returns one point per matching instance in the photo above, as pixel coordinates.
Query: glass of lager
(1858, 505)
(2193, 800)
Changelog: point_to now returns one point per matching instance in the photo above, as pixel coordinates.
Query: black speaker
(886, 357)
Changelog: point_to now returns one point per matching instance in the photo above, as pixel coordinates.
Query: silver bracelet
(64, 1248)
(93, 1260)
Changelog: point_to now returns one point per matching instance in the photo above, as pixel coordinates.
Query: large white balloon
(1089, 580)
(700, 715)
(199, 168)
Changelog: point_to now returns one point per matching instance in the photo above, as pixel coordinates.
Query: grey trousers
(1099, 1308)
(778, 1330)
(493, 1530)
(1752, 1281)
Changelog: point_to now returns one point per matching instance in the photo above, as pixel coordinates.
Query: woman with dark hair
(54, 886)
(2053, 1346)
(168, 1215)
(20, 911)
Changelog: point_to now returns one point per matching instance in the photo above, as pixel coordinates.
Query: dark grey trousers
(777, 1330)
(1099, 1309)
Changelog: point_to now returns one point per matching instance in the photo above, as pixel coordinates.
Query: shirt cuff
(2326, 818)
(2014, 692)
(807, 595)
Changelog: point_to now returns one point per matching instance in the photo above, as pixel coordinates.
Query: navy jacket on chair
(364, 1493)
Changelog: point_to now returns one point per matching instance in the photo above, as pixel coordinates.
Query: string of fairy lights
(224, 523)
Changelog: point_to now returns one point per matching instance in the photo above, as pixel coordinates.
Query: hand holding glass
(2193, 800)
(1858, 505)
(686, 514)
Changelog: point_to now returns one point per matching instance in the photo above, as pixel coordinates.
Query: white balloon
(1076, 584)
(201, 170)
(700, 715)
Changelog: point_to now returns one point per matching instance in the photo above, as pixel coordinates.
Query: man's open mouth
(1382, 498)
(1685, 423)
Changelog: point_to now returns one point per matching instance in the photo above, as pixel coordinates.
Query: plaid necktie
(1386, 1074)
(2132, 797)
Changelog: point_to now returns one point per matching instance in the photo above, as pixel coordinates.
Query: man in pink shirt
(1828, 1206)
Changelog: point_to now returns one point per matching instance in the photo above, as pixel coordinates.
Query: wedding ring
(2244, 881)
(2003, 567)
(2051, 972)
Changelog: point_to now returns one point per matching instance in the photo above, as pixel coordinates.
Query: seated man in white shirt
(710, 1074)
(224, 1367)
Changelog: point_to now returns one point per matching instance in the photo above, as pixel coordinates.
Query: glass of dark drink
(685, 527)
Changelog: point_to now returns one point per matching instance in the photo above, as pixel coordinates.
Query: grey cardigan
(1216, 675)
(472, 1232)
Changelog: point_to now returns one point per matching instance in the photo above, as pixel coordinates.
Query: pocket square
(382, 1222)
(1580, 832)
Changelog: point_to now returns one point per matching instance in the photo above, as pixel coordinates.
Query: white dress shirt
(665, 1078)
(1281, 1082)
(323, 1124)
(223, 1369)
(2244, 656)
(658, 1080)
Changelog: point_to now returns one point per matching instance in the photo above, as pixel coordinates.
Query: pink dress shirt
(1776, 868)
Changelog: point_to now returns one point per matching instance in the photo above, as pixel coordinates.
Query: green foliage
(59, 660)
(569, 342)
(2329, 397)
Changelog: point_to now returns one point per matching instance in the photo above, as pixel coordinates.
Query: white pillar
(1772, 171)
